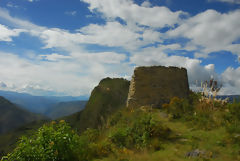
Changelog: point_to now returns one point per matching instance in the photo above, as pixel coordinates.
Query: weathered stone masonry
(156, 85)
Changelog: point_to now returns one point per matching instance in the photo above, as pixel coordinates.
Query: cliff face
(105, 99)
(156, 85)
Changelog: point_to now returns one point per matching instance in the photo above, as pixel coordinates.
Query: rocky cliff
(156, 85)
(109, 96)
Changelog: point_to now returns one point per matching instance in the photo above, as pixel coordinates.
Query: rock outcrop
(156, 85)
(109, 96)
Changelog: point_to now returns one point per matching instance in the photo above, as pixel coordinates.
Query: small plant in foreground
(209, 92)
(178, 107)
(52, 142)
(138, 133)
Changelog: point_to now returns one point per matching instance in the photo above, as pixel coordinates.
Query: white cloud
(111, 34)
(77, 71)
(146, 4)
(156, 56)
(67, 75)
(231, 81)
(71, 13)
(6, 34)
(18, 23)
(211, 30)
(11, 5)
(226, 1)
(53, 57)
(133, 13)
(32, 0)
(101, 57)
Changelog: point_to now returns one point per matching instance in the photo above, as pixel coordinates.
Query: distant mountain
(37, 104)
(109, 96)
(231, 97)
(8, 140)
(12, 116)
(65, 108)
(106, 98)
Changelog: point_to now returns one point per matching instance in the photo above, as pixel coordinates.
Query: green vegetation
(8, 140)
(200, 128)
(106, 98)
(171, 133)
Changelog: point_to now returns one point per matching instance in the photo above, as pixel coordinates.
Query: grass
(146, 134)
(188, 138)
(182, 139)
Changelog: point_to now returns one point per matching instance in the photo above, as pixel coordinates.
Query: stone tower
(156, 85)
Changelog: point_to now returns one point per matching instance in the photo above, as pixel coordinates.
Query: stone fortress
(156, 85)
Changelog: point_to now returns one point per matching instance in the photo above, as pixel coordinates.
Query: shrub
(178, 107)
(91, 134)
(234, 110)
(138, 132)
(55, 141)
(119, 137)
(102, 149)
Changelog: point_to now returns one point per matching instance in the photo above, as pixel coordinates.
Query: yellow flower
(53, 122)
(51, 143)
(62, 121)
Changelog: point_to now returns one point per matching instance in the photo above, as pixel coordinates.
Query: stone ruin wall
(156, 85)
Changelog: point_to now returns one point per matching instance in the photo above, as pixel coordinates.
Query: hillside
(8, 140)
(12, 116)
(65, 108)
(144, 134)
(195, 127)
(37, 104)
(231, 98)
(109, 96)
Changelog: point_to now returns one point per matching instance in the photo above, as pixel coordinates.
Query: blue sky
(65, 47)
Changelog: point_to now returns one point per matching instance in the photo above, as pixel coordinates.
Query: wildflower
(62, 121)
(214, 93)
(56, 152)
(51, 143)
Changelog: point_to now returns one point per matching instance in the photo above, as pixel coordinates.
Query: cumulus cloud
(211, 31)
(6, 34)
(156, 56)
(66, 75)
(226, 1)
(146, 4)
(133, 13)
(18, 23)
(73, 70)
(53, 57)
(231, 81)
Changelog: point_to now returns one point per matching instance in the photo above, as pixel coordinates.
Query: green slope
(12, 116)
(8, 140)
(105, 99)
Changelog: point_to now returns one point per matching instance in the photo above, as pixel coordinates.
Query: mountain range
(65, 108)
(12, 116)
(37, 104)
